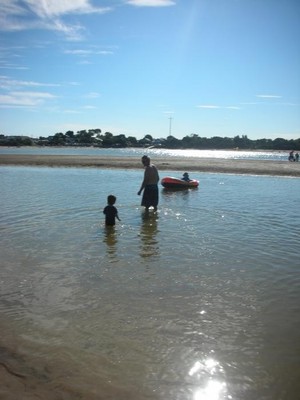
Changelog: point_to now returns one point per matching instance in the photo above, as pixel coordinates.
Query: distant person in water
(185, 177)
(297, 157)
(291, 156)
(149, 185)
(110, 211)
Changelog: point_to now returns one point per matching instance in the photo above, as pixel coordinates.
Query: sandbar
(189, 164)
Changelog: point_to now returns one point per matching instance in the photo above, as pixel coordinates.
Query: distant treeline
(94, 137)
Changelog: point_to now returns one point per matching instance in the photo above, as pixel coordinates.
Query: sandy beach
(254, 167)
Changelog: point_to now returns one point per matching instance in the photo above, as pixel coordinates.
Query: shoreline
(189, 164)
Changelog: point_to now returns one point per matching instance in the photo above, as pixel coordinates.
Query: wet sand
(253, 167)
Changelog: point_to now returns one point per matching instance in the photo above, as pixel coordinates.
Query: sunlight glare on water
(206, 372)
(152, 152)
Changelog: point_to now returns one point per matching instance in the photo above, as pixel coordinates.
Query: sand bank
(254, 167)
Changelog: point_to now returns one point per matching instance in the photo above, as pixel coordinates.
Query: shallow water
(197, 302)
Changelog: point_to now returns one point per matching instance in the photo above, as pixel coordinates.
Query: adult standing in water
(149, 185)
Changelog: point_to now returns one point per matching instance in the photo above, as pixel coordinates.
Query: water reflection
(208, 375)
(149, 242)
(110, 238)
(182, 192)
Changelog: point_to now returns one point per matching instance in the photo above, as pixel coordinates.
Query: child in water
(185, 177)
(110, 211)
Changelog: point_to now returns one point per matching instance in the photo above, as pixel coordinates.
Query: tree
(120, 141)
(263, 144)
(149, 138)
(146, 141)
(58, 139)
(242, 142)
(281, 144)
(107, 139)
(132, 141)
(84, 137)
(192, 141)
(171, 142)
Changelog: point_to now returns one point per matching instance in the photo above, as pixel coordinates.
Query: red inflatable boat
(176, 183)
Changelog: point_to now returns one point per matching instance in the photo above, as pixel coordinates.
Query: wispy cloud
(92, 95)
(85, 52)
(209, 106)
(15, 92)
(10, 57)
(268, 96)
(17, 15)
(69, 111)
(9, 84)
(151, 3)
(50, 8)
(89, 107)
(9, 66)
(24, 98)
(213, 107)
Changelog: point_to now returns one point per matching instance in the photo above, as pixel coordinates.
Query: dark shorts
(150, 196)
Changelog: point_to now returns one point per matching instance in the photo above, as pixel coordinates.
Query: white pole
(170, 126)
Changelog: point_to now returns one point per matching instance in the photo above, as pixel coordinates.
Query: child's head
(111, 199)
(186, 175)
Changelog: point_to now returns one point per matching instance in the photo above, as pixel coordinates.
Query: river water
(197, 302)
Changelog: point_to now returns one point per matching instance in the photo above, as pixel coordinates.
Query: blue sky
(137, 67)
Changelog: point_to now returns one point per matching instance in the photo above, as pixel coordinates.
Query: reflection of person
(110, 239)
(149, 185)
(149, 242)
(110, 211)
(185, 177)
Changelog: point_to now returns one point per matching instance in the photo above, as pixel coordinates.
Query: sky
(151, 67)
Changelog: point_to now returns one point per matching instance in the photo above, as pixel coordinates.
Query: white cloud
(12, 66)
(13, 93)
(266, 103)
(54, 8)
(12, 7)
(213, 107)
(151, 3)
(71, 32)
(268, 96)
(25, 99)
(17, 15)
(83, 52)
(9, 84)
